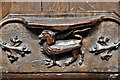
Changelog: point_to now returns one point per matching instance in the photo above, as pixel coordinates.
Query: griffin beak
(40, 36)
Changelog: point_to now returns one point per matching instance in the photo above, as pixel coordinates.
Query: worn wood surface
(33, 62)
(35, 7)
(4, 9)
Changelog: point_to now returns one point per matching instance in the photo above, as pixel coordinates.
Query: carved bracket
(14, 48)
(104, 48)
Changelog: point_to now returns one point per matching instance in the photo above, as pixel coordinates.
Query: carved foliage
(104, 48)
(14, 48)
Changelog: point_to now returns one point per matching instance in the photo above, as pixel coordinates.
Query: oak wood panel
(25, 7)
(4, 9)
(85, 6)
(35, 7)
(55, 6)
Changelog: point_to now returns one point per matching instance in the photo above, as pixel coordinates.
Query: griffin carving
(54, 47)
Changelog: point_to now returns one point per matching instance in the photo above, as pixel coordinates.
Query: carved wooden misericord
(58, 37)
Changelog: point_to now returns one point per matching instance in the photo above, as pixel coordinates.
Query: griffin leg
(51, 63)
(81, 58)
(81, 53)
(75, 54)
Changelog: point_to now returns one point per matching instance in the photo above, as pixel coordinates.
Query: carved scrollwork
(14, 48)
(104, 48)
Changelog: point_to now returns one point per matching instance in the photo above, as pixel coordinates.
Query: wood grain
(25, 7)
(4, 8)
